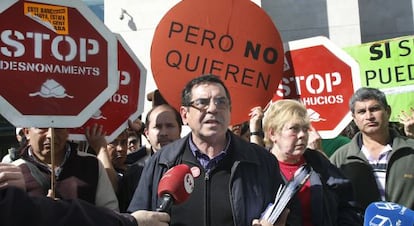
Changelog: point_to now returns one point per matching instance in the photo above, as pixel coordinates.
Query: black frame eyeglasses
(202, 104)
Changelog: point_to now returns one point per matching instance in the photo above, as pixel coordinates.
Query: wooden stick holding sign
(52, 192)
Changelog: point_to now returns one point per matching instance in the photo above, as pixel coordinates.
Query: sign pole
(52, 162)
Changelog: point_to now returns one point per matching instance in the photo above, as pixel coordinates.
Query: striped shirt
(379, 167)
(205, 161)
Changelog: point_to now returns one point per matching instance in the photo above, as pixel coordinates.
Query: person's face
(236, 129)
(117, 150)
(133, 143)
(163, 128)
(40, 141)
(22, 135)
(291, 141)
(214, 119)
(371, 117)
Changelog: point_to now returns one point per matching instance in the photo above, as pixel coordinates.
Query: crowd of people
(238, 170)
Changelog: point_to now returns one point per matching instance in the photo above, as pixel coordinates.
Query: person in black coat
(20, 209)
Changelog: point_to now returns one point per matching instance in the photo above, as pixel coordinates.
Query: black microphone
(175, 187)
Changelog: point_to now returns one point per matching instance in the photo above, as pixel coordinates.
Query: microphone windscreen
(177, 182)
(388, 214)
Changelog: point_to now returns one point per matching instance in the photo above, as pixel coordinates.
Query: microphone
(175, 187)
(388, 214)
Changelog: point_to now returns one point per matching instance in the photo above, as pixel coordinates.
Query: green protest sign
(389, 66)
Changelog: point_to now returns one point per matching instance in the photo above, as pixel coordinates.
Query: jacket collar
(395, 142)
(240, 149)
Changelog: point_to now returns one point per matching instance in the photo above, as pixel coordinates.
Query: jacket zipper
(206, 200)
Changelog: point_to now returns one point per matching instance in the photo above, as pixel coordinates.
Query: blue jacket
(254, 179)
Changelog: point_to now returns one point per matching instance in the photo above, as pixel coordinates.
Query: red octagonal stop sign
(57, 63)
(323, 77)
(126, 103)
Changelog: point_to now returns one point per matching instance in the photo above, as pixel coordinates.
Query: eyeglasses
(133, 142)
(204, 103)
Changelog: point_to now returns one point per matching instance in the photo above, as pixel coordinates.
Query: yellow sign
(53, 17)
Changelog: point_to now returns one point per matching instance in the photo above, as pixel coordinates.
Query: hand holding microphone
(388, 214)
(175, 187)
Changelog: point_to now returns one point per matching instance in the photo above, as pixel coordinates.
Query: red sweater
(304, 194)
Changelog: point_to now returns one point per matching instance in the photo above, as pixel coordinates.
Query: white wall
(145, 14)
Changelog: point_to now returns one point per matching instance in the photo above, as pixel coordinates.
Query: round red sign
(235, 40)
(57, 63)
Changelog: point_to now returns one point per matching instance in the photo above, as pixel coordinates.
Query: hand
(257, 222)
(315, 139)
(408, 121)
(255, 125)
(135, 125)
(256, 116)
(280, 222)
(151, 218)
(11, 175)
(51, 195)
(96, 137)
(97, 141)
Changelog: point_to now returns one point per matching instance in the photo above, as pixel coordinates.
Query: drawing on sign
(51, 88)
(314, 116)
(98, 115)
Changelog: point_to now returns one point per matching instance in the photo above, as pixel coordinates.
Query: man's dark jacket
(254, 179)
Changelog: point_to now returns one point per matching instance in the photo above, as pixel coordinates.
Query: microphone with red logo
(175, 187)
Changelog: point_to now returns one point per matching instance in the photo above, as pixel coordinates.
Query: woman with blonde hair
(326, 197)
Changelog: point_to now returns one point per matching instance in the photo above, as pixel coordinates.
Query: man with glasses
(234, 180)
